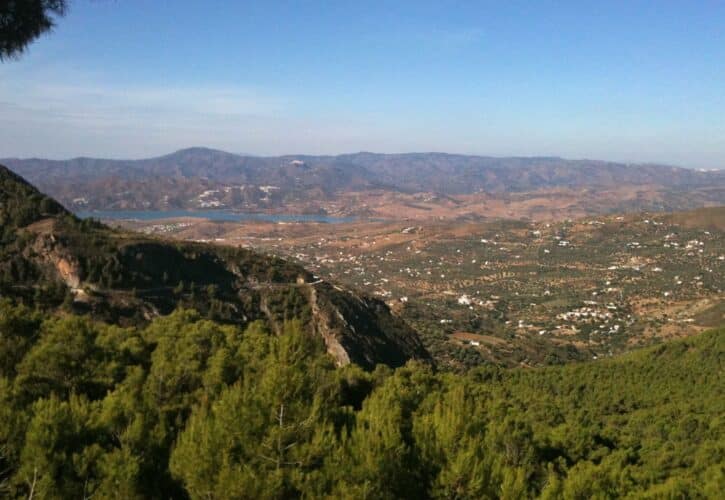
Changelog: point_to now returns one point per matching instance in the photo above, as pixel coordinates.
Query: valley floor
(509, 291)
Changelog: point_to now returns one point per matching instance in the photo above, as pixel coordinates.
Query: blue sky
(628, 81)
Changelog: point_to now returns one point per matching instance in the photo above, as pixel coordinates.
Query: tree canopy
(22, 21)
(188, 408)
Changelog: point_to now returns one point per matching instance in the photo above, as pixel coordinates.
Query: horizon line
(404, 153)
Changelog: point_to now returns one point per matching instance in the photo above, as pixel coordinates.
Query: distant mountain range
(197, 178)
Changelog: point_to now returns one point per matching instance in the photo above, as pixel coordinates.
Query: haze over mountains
(197, 178)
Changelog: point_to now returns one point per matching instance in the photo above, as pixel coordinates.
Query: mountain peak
(198, 150)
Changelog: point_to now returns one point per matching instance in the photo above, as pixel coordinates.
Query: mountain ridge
(53, 260)
(206, 149)
(198, 177)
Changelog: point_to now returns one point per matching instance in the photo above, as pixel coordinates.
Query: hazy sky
(632, 81)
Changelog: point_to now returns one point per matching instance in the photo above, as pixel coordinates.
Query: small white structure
(464, 300)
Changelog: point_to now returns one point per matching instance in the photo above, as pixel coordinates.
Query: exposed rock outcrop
(127, 278)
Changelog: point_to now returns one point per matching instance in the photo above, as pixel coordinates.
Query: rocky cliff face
(355, 329)
(62, 263)
(361, 330)
(49, 257)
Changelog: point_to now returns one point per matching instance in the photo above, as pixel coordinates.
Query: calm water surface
(214, 215)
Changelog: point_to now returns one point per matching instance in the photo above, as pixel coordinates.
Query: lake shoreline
(211, 215)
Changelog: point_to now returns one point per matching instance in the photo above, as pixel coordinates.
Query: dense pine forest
(188, 408)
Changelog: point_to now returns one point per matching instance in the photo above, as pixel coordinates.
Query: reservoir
(213, 215)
